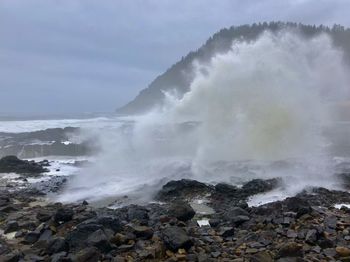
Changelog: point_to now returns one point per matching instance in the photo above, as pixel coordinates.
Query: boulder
(290, 249)
(175, 237)
(89, 254)
(182, 211)
(57, 245)
(99, 239)
(12, 164)
(257, 186)
(63, 215)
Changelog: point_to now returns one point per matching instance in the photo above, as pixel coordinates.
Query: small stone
(290, 249)
(215, 254)
(63, 215)
(31, 237)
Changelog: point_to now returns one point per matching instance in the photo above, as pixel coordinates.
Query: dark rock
(290, 249)
(31, 237)
(226, 189)
(110, 222)
(175, 238)
(11, 164)
(137, 213)
(100, 240)
(182, 211)
(238, 220)
(214, 222)
(60, 257)
(63, 215)
(297, 205)
(234, 212)
(183, 188)
(11, 226)
(89, 254)
(257, 186)
(311, 237)
(263, 256)
(57, 245)
(77, 238)
(142, 232)
(11, 257)
(227, 231)
(44, 215)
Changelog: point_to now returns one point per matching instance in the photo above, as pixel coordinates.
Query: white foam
(341, 205)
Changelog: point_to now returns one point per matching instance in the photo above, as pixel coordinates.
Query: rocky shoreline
(191, 221)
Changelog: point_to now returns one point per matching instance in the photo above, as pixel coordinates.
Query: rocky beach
(187, 221)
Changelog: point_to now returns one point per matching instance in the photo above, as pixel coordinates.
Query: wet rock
(11, 257)
(182, 189)
(57, 245)
(182, 211)
(214, 222)
(175, 238)
(12, 164)
(311, 236)
(263, 256)
(142, 232)
(257, 186)
(60, 257)
(77, 238)
(235, 212)
(226, 231)
(238, 220)
(99, 239)
(290, 249)
(63, 215)
(31, 237)
(137, 213)
(110, 222)
(44, 215)
(11, 226)
(297, 205)
(226, 189)
(89, 254)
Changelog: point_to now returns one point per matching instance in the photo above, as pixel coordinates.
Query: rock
(31, 237)
(234, 212)
(99, 239)
(43, 215)
(257, 186)
(297, 205)
(238, 220)
(214, 222)
(137, 213)
(311, 237)
(11, 226)
(77, 238)
(182, 189)
(226, 231)
(110, 222)
(60, 257)
(342, 251)
(11, 164)
(290, 249)
(143, 232)
(182, 211)
(331, 222)
(57, 245)
(11, 257)
(89, 254)
(119, 239)
(63, 215)
(263, 256)
(226, 189)
(175, 238)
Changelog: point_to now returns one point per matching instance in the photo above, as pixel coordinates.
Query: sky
(80, 56)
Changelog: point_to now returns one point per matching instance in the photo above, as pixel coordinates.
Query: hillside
(179, 76)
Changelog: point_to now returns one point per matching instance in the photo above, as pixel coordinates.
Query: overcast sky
(73, 56)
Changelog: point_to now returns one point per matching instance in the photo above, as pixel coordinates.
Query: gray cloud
(61, 56)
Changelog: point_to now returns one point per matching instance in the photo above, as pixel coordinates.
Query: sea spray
(263, 101)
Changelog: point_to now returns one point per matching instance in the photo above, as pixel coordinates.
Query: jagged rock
(63, 215)
(89, 254)
(235, 212)
(57, 245)
(11, 257)
(257, 186)
(263, 256)
(44, 215)
(12, 164)
(142, 232)
(137, 213)
(182, 211)
(175, 237)
(11, 226)
(182, 189)
(31, 237)
(77, 238)
(297, 205)
(290, 249)
(99, 239)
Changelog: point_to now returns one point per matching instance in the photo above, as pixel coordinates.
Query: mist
(259, 110)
